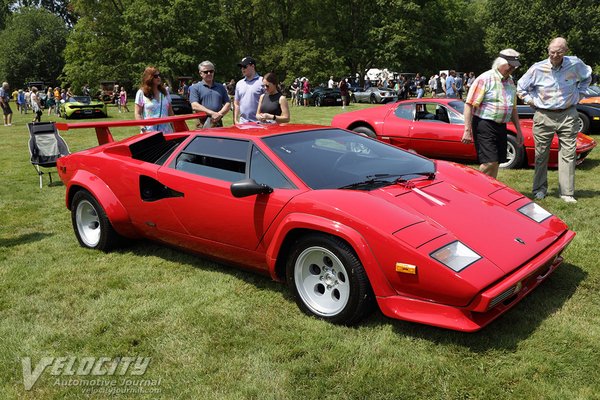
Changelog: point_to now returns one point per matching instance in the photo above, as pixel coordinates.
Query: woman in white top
(153, 101)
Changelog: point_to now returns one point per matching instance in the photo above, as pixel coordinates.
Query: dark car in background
(180, 105)
(589, 116)
(322, 96)
(42, 88)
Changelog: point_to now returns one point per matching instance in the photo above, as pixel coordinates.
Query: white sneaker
(539, 195)
(568, 199)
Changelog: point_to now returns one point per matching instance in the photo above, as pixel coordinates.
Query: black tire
(373, 99)
(91, 225)
(366, 131)
(353, 99)
(584, 123)
(515, 154)
(328, 280)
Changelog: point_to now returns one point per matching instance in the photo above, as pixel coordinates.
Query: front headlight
(535, 212)
(455, 256)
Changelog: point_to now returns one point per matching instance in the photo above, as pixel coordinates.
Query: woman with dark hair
(153, 101)
(272, 105)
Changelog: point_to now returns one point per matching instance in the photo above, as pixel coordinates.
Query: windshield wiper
(427, 174)
(380, 180)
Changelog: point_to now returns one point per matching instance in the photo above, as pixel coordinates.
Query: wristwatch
(274, 116)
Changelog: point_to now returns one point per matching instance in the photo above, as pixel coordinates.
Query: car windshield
(80, 99)
(335, 158)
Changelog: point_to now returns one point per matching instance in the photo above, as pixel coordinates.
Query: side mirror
(249, 187)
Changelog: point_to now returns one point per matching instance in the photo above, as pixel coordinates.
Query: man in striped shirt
(490, 104)
(553, 87)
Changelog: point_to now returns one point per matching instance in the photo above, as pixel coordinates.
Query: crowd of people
(552, 87)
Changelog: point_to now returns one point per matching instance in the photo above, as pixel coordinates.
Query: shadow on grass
(24, 239)
(145, 248)
(588, 164)
(512, 327)
(504, 333)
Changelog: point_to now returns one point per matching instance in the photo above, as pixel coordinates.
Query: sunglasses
(157, 75)
(266, 85)
(210, 71)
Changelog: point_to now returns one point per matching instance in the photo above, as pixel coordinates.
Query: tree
(32, 46)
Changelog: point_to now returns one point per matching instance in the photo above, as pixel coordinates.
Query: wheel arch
(365, 124)
(115, 211)
(296, 226)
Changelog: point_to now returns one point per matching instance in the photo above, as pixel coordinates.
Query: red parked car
(345, 220)
(434, 128)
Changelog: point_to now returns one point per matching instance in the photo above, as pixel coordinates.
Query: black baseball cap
(246, 61)
(512, 60)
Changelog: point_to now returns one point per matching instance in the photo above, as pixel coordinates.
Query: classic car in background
(589, 116)
(83, 107)
(374, 95)
(434, 128)
(383, 226)
(592, 95)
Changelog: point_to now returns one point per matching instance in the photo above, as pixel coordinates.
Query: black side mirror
(249, 187)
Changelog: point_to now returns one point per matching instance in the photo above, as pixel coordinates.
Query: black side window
(218, 158)
(263, 171)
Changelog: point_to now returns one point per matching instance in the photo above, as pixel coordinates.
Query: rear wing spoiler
(103, 127)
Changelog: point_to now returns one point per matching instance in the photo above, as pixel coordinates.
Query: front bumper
(488, 304)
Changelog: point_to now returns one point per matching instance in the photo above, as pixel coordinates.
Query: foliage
(529, 26)
(32, 46)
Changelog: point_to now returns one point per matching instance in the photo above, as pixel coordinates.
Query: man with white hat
(490, 104)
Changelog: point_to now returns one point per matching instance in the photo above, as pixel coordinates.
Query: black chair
(45, 146)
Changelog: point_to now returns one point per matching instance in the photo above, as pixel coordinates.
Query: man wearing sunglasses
(208, 96)
(247, 92)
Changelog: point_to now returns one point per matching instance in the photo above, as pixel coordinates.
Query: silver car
(374, 95)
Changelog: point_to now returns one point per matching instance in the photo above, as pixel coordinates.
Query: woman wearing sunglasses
(153, 101)
(272, 105)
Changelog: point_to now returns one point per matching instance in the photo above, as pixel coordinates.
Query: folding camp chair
(45, 147)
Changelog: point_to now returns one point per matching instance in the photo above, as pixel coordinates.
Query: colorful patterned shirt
(555, 88)
(155, 108)
(492, 96)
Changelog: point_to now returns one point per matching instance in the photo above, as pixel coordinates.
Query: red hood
(493, 230)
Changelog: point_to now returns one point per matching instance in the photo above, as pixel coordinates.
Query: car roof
(260, 130)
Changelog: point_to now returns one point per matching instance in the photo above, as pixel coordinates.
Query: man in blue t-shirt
(208, 96)
(451, 91)
(247, 92)
(4, 99)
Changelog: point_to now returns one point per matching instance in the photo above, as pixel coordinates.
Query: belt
(555, 109)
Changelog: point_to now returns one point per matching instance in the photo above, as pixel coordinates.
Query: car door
(203, 173)
(397, 125)
(437, 132)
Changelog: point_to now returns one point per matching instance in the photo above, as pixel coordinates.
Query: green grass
(215, 332)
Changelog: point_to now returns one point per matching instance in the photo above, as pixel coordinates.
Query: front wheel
(328, 280)
(373, 99)
(515, 154)
(90, 223)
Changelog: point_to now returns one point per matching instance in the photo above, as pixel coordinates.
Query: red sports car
(347, 221)
(434, 128)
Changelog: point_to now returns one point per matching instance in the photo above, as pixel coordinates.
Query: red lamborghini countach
(345, 220)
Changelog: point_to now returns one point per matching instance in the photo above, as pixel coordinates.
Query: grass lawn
(214, 332)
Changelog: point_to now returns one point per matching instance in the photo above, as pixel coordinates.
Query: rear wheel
(583, 123)
(366, 131)
(328, 280)
(373, 99)
(515, 154)
(90, 223)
